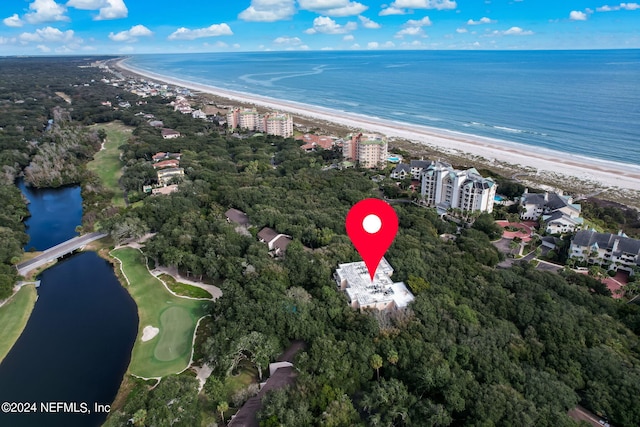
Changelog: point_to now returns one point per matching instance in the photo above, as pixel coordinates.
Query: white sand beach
(606, 174)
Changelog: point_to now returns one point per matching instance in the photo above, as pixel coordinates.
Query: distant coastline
(602, 173)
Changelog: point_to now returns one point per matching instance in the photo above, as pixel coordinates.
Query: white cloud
(109, 9)
(576, 15)
(132, 34)
(294, 41)
(115, 9)
(13, 21)
(483, 20)
(44, 48)
(376, 45)
(392, 11)
(46, 11)
(333, 7)
(368, 23)
(515, 31)
(6, 40)
(214, 30)
(424, 4)
(348, 38)
(621, 6)
(410, 31)
(268, 10)
(461, 30)
(326, 25)
(47, 35)
(424, 22)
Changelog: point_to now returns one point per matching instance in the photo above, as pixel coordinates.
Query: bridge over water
(58, 251)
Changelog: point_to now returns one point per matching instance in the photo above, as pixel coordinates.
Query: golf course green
(169, 351)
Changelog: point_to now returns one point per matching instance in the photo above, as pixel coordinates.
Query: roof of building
(165, 190)
(170, 171)
(166, 164)
(158, 156)
(559, 216)
(167, 131)
(420, 163)
(382, 290)
(402, 167)
(282, 242)
(237, 216)
(590, 238)
(267, 234)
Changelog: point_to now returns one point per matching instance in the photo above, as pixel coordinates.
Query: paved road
(58, 251)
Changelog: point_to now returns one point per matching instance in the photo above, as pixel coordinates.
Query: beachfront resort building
(368, 150)
(612, 251)
(446, 188)
(280, 124)
(274, 123)
(380, 294)
(557, 211)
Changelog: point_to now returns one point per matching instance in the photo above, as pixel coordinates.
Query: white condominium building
(369, 150)
(274, 123)
(280, 124)
(380, 294)
(447, 188)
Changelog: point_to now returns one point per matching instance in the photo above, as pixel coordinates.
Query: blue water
(55, 213)
(77, 343)
(583, 102)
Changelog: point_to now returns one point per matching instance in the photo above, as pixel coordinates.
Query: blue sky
(31, 27)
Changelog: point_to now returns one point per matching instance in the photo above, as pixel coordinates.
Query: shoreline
(556, 165)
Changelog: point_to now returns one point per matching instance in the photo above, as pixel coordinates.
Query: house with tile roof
(276, 242)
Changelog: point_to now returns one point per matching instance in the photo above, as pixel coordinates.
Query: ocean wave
(504, 128)
(282, 75)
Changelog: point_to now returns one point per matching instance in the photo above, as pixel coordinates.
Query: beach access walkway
(58, 251)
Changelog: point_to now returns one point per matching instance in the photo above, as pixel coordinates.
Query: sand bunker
(149, 332)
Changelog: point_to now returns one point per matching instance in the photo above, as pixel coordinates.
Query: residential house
(558, 212)
(313, 142)
(613, 251)
(165, 190)
(159, 156)
(169, 133)
(380, 294)
(447, 188)
(166, 175)
(172, 163)
(401, 171)
(276, 242)
(237, 217)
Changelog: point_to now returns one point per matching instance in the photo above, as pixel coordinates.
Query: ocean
(582, 102)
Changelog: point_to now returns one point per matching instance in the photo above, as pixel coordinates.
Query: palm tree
(222, 407)
(376, 363)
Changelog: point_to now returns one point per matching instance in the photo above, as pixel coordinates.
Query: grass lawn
(14, 316)
(168, 352)
(184, 289)
(106, 163)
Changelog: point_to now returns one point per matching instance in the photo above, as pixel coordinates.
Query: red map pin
(372, 225)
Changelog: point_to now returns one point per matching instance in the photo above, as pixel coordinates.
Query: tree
(256, 347)
(376, 363)
(222, 408)
(139, 418)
